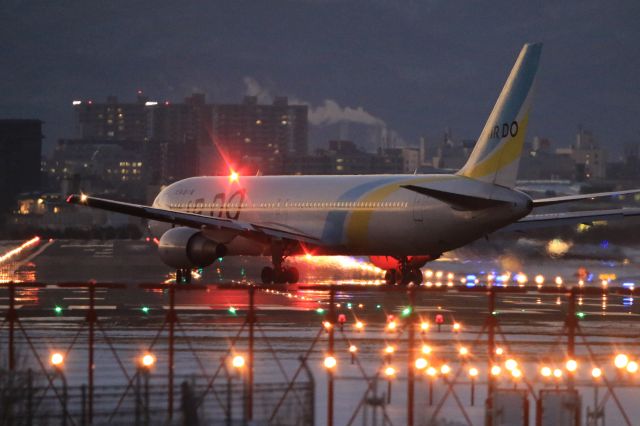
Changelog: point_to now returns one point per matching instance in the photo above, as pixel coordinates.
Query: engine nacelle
(389, 262)
(185, 248)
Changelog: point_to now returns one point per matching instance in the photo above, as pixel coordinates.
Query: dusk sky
(416, 66)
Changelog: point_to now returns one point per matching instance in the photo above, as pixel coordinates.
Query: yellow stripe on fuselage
(358, 226)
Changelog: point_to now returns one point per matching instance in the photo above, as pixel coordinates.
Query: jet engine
(185, 248)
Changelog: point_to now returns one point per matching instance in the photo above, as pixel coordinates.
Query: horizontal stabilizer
(545, 220)
(456, 200)
(569, 198)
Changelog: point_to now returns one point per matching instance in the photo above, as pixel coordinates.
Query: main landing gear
(404, 275)
(183, 276)
(279, 274)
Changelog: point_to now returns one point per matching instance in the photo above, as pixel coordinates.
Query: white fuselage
(350, 215)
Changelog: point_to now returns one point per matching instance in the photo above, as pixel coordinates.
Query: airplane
(400, 222)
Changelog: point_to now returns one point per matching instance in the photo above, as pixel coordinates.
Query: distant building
(343, 157)
(590, 159)
(113, 120)
(260, 137)
(20, 157)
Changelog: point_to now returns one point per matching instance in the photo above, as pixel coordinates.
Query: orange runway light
(456, 326)
(496, 370)
(545, 371)
(473, 372)
(330, 362)
(596, 373)
(621, 361)
(353, 349)
(359, 325)
(390, 372)
(148, 360)
(426, 349)
(238, 361)
(511, 364)
(421, 363)
(389, 350)
(571, 365)
(57, 359)
(445, 369)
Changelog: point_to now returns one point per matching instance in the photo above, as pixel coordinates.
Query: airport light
(391, 326)
(457, 326)
(431, 372)
(621, 361)
(426, 349)
(390, 372)
(445, 369)
(353, 349)
(145, 309)
(499, 351)
(545, 371)
(320, 311)
(557, 373)
(539, 279)
(58, 310)
(559, 281)
(238, 361)
(233, 176)
(596, 373)
(233, 310)
(496, 370)
(473, 372)
(330, 362)
(389, 350)
(327, 325)
(148, 360)
(511, 364)
(463, 351)
(632, 367)
(424, 326)
(406, 311)
(359, 325)
(571, 365)
(421, 363)
(57, 360)
(516, 373)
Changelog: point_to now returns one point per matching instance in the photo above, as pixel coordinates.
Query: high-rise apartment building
(20, 155)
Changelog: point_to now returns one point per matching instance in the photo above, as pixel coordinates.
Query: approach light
(353, 349)
(424, 326)
(327, 325)
(473, 372)
(148, 360)
(330, 362)
(233, 176)
(499, 351)
(359, 325)
(496, 370)
(421, 363)
(56, 359)
(431, 371)
(511, 364)
(516, 373)
(596, 373)
(445, 369)
(632, 367)
(545, 371)
(557, 373)
(232, 310)
(621, 361)
(463, 351)
(320, 311)
(390, 372)
(389, 350)
(83, 198)
(406, 311)
(426, 349)
(539, 279)
(456, 326)
(391, 326)
(238, 361)
(58, 310)
(145, 309)
(571, 365)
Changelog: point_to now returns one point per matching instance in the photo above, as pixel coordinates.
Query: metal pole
(11, 317)
(491, 353)
(138, 397)
(251, 319)
(146, 396)
(331, 319)
(571, 334)
(171, 319)
(91, 319)
(410, 358)
(473, 391)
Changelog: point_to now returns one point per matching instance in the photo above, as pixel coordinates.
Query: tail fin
(497, 153)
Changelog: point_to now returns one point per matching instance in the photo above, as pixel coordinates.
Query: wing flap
(542, 220)
(569, 198)
(192, 220)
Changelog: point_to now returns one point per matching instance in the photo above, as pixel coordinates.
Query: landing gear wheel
(416, 276)
(293, 275)
(390, 276)
(267, 275)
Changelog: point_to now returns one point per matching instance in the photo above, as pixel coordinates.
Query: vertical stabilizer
(497, 153)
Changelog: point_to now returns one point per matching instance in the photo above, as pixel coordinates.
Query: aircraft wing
(569, 218)
(569, 198)
(193, 220)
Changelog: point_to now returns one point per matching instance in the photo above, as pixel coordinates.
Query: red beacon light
(234, 177)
